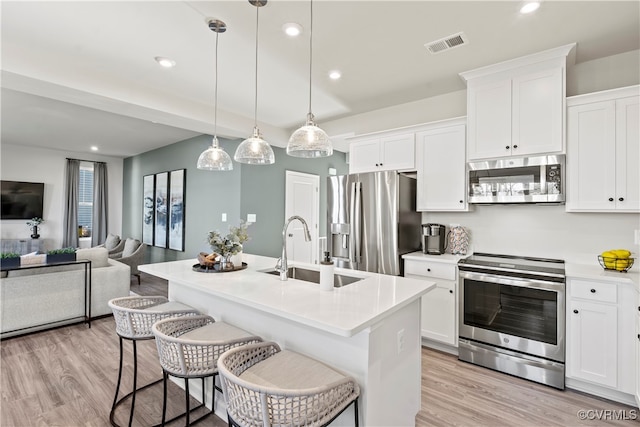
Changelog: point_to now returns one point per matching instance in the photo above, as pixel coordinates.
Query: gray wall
(247, 189)
(263, 194)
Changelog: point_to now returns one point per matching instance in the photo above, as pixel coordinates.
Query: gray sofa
(33, 297)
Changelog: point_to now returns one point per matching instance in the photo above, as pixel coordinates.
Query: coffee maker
(434, 241)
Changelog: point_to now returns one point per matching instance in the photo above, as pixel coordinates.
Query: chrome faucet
(281, 266)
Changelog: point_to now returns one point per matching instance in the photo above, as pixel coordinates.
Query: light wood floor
(66, 377)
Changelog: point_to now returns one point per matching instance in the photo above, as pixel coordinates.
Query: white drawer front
(595, 291)
(430, 269)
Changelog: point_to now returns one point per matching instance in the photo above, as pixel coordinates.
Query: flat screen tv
(21, 200)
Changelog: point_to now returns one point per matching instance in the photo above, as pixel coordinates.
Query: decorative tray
(216, 268)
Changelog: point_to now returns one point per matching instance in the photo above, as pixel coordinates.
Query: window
(85, 199)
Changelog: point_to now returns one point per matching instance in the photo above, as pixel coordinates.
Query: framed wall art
(148, 205)
(176, 209)
(163, 196)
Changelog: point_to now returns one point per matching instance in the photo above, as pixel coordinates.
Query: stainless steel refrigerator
(372, 220)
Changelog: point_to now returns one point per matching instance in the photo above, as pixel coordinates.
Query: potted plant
(9, 260)
(61, 255)
(33, 224)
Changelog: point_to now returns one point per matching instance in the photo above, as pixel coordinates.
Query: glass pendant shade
(255, 151)
(309, 141)
(215, 158)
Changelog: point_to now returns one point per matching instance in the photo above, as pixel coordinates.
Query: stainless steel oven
(512, 315)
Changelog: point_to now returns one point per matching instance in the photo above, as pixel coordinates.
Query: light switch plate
(224, 217)
(636, 237)
(251, 217)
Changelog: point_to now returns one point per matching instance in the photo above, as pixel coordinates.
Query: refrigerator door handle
(356, 222)
(352, 216)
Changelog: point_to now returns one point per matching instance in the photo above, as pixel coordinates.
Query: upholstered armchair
(132, 254)
(113, 243)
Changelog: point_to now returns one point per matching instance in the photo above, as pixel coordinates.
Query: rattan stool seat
(189, 347)
(134, 317)
(264, 386)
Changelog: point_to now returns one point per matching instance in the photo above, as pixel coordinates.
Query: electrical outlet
(636, 237)
(251, 217)
(224, 217)
(400, 341)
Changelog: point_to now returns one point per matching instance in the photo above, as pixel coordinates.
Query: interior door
(302, 199)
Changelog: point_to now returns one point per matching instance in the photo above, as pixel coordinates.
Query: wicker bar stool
(189, 347)
(134, 317)
(265, 386)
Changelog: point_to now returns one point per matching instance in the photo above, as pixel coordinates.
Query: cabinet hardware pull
(428, 269)
(377, 164)
(575, 311)
(507, 147)
(380, 164)
(515, 146)
(639, 336)
(593, 291)
(611, 199)
(450, 291)
(621, 199)
(461, 201)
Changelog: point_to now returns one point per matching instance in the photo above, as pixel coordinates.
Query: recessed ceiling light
(530, 7)
(335, 74)
(165, 62)
(94, 148)
(292, 29)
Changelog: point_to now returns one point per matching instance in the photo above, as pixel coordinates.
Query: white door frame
(312, 222)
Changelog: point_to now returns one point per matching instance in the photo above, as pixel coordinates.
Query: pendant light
(309, 140)
(255, 150)
(215, 158)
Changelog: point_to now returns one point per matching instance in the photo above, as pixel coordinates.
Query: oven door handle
(511, 281)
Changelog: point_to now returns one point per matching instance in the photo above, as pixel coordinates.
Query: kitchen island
(369, 329)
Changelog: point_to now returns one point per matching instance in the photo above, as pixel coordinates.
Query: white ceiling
(82, 73)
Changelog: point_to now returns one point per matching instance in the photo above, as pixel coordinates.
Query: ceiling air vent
(447, 43)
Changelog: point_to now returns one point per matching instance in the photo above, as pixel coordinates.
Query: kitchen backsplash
(543, 231)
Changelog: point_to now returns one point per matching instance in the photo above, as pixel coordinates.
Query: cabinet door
(592, 342)
(537, 113)
(489, 119)
(364, 156)
(627, 154)
(441, 169)
(439, 314)
(398, 152)
(638, 356)
(591, 154)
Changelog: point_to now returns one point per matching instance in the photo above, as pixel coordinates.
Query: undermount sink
(313, 276)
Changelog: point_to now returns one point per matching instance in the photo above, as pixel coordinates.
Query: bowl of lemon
(616, 260)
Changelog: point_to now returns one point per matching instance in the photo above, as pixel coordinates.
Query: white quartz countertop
(595, 272)
(444, 258)
(344, 311)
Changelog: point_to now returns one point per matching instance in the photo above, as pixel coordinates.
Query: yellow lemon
(621, 253)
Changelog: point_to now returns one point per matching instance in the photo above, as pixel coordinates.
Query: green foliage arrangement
(62, 251)
(7, 255)
(231, 244)
(34, 222)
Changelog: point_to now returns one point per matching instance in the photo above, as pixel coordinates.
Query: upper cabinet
(515, 108)
(384, 151)
(603, 133)
(440, 162)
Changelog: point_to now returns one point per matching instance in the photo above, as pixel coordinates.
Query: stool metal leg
(115, 398)
(165, 377)
(186, 391)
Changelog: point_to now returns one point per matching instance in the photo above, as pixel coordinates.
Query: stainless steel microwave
(536, 179)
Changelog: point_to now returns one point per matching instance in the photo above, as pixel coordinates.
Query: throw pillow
(112, 241)
(130, 246)
(98, 256)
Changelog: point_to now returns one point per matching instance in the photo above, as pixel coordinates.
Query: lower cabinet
(601, 336)
(440, 305)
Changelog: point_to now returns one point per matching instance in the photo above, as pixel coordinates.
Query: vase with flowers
(33, 224)
(229, 245)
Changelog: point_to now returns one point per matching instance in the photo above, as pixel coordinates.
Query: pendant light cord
(215, 109)
(310, 53)
(255, 111)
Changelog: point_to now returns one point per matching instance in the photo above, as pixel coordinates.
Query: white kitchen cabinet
(441, 167)
(603, 132)
(382, 152)
(439, 320)
(516, 108)
(601, 334)
(638, 351)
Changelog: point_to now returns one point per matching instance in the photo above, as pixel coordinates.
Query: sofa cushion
(130, 246)
(98, 256)
(112, 241)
